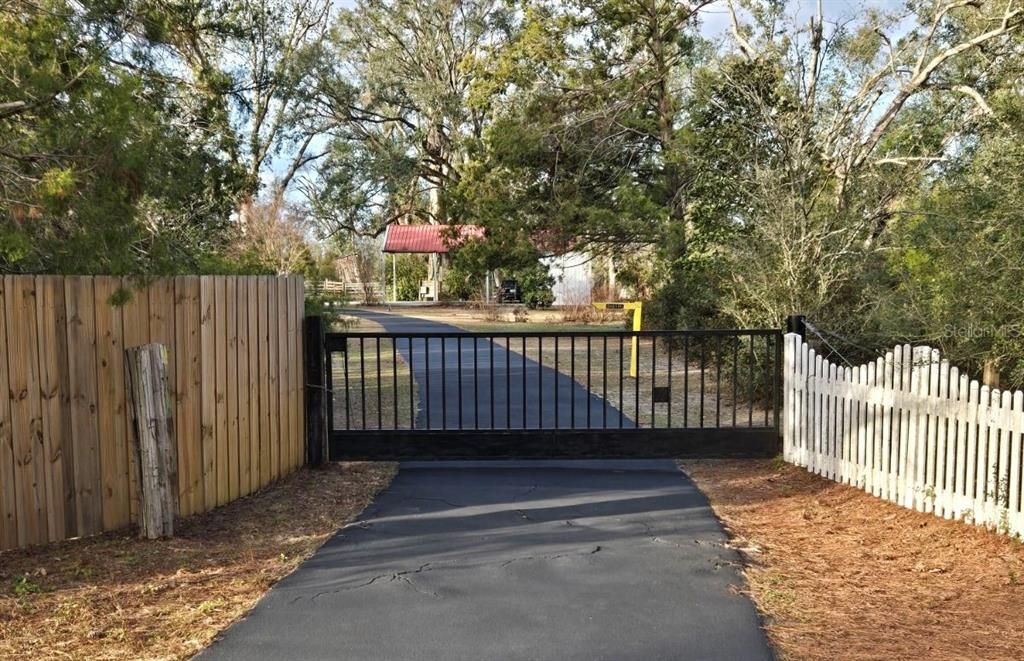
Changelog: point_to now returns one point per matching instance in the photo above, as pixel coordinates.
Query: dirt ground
(116, 596)
(839, 574)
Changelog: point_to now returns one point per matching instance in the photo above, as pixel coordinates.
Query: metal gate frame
(548, 442)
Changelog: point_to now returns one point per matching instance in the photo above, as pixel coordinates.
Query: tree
(844, 125)
(396, 87)
(110, 160)
(275, 238)
(955, 266)
(584, 149)
(279, 48)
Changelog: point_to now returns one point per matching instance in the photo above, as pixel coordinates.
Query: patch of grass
(24, 586)
(381, 394)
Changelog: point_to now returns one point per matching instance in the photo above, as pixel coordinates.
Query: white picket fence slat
(909, 428)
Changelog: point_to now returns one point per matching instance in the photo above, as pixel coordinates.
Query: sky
(715, 18)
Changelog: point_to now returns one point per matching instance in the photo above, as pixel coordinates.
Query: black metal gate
(553, 394)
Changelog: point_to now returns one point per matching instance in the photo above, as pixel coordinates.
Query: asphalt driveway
(515, 560)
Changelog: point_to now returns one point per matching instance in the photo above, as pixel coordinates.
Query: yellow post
(637, 308)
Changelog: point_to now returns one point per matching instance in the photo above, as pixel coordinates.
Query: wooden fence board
(266, 470)
(81, 327)
(296, 304)
(54, 414)
(220, 355)
(1016, 428)
(254, 388)
(25, 410)
(812, 410)
(992, 479)
(960, 499)
(939, 503)
(285, 434)
(231, 384)
(8, 496)
(63, 359)
(273, 365)
(1002, 476)
(981, 478)
(189, 394)
(244, 391)
(906, 371)
(111, 409)
(802, 400)
(300, 383)
(931, 439)
(208, 390)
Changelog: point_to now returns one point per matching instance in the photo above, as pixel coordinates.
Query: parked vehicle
(510, 291)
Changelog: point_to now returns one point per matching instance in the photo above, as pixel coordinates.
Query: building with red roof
(428, 239)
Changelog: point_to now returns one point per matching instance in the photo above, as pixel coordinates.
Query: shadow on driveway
(515, 560)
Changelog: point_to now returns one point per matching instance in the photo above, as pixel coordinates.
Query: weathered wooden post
(316, 395)
(155, 448)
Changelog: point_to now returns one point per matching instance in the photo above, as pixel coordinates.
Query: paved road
(552, 560)
(515, 378)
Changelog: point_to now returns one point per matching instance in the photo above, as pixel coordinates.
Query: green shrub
(536, 282)
(409, 271)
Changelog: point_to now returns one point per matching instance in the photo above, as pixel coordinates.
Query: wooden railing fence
(908, 428)
(235, 365)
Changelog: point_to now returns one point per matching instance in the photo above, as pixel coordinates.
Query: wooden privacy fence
(908, 428)
(235, 374)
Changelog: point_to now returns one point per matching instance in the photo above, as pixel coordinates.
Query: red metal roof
(423, 239)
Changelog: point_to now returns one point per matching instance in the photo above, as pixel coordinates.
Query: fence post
(316, 391)
(795, 323)
(146, 375)
(778, 393)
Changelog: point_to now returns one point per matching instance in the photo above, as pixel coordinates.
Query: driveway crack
(553, 556)
(391, 576)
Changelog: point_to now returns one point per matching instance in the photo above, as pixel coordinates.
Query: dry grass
(389, 401)
(722, 405)
(498, 319)
(115, 596)
(840, 574)
(380, 393)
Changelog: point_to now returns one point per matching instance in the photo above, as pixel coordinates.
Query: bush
(328, 306)
(535, 282)
(688, 298)
(538, 299)
(462, 282)
(411, 271)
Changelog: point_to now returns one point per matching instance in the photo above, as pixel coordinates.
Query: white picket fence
(908, 428)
